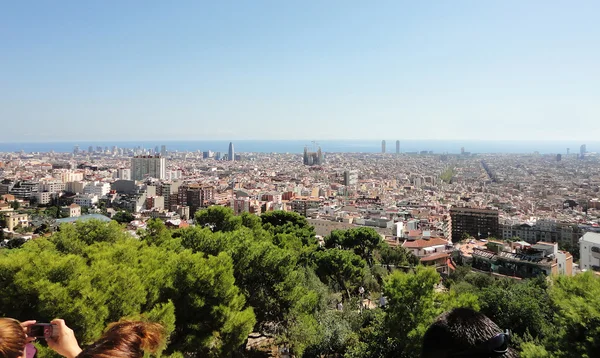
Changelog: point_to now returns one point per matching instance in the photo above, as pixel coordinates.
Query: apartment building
(478, 223)
(589, 251)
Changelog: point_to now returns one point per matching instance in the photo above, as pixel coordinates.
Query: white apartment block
(123, 174)
(152, 166)
(67, 175)
(76, 187)
(97, 188)
(44, 197)
(589, 251)
(53, 186)
(86, 200)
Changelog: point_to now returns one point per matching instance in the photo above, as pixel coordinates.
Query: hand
(63, 341)
(25, 325)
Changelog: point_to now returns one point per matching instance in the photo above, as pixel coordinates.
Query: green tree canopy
(218, 218)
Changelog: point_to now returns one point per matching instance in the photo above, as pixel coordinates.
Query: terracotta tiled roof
(421, 243)
(439, 255)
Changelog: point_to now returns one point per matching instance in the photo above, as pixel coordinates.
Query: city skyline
(495, 70)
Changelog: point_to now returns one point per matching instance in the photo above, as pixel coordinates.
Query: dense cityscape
(300, 179)
(437, 205)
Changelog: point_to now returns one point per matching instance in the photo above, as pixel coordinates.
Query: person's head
(12, 338)
(464, 332)
(126, 339)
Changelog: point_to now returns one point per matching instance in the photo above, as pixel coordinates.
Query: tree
(15, 205)
(92, 273)
(397, 256)
(411, 308)
(577, 318)
(123, 217)
(362, 240)
(284, 222)
(342, 268)
(218, 218)
(250, 221)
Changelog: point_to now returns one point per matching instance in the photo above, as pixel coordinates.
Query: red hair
(126, 339)
(12, 338)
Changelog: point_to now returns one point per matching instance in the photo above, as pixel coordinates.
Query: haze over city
(294, 70)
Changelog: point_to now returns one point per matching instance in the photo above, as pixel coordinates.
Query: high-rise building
(163, 150)
(76, 149)
(231, 153)
(144, 166)
(350, 177)
(195, 196)
(156, 150)
(478, 223)
(397, 147)
(582, 150)
(90, 149)
(383, 146)
(568, 151)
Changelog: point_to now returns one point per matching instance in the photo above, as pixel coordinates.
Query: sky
(185, 70)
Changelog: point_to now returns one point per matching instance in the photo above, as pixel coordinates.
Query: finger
(28, 323)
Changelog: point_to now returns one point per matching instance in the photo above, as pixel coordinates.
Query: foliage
(363, 241)
(123, 217)
(577, 318)
(214, 283)
(218, 218)
(91, 273)
(396, 256)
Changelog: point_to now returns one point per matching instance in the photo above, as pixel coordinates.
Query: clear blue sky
(510, 69)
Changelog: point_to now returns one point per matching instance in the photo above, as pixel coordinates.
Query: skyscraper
(231, 153)
(397, 147)
(163, 150)
(76, 149)
(582, 150)
(153, 166)
(383, 146)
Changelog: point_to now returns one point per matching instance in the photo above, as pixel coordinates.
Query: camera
(42, 330)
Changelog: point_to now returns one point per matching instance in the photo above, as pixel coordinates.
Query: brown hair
(12, 338)
(126, 339)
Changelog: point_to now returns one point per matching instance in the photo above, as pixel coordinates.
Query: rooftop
(591, 237)
(83, 218)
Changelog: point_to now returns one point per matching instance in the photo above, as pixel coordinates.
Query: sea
(327, 146)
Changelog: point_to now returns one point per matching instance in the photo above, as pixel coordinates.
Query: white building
(44, 197)
(72, 210)
(97, 188)
(76, 187)
(123, 174)
(67, 175)
(589, 251)
(85, 200)
(53, 186)
(152, 166)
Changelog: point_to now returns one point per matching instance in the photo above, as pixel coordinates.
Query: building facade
(148, 166)
(589, 251)
(478, 223)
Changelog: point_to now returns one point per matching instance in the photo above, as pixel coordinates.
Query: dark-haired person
(464, 332)
(13, 337)
(125, 339)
